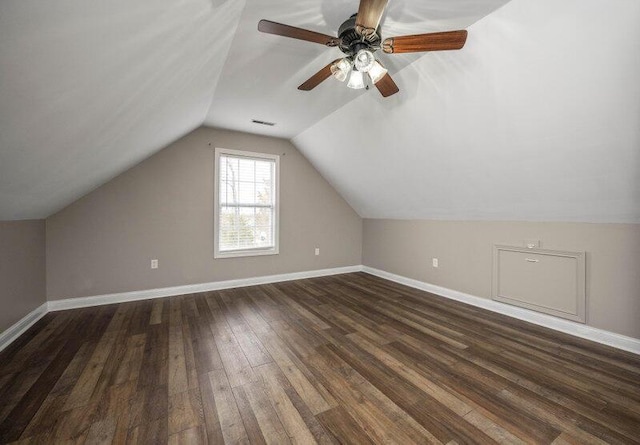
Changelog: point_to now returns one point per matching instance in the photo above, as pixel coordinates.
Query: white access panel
(548, 281)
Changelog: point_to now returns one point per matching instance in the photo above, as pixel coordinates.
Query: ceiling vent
(268, 124)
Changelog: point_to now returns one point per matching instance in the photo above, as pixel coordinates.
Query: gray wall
(22, 269)
(464, 250)
(163, 208)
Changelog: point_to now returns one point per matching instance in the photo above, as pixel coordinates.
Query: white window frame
(216, 208)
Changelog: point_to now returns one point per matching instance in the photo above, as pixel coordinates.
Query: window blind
(246, 203)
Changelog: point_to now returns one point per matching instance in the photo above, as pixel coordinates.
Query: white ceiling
(537, 118)
(89, 88)
(263, 72)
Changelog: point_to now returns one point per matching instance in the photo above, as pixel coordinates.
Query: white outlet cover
(154, 264)
(434, 261)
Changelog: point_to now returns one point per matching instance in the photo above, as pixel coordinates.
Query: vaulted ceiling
(537, 118)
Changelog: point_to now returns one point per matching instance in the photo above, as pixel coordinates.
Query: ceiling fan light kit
(364, 60)
(356, 80)
(344, 68)
(359, 37)
(341, 69)
(377, 72)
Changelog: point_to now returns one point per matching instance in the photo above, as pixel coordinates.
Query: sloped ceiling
(537, 118)
(88, 88)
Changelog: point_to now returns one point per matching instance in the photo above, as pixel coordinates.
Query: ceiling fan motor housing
(352, 42)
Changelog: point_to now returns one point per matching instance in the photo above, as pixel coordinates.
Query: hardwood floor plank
(192, 348)
(58, 358)
(20, 417)
(153, 432)
(299, 310)
(177, 372)
(155, 359)
(21, 382)
(452, 378)
(252, 427)
(140, 317)
(438, 419)
(32, 348)
(293, 423)
(247, 339)
(567, 424)
(252, 316)
(294, 371)
(156, 312)
(212, 429)
(192, 436)
(345, 386)
(239, 371)
(101, 432)
(12, 351)
(319, 433)
(270, 425)
(129, 366)
(343, 427)
(147, 405)
(349, 358)
(117, 406)
(233, 429)
(185, 411)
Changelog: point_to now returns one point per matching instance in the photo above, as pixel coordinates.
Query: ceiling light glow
(341, 69)
(364, 60)
(377, 71)
(356, 80)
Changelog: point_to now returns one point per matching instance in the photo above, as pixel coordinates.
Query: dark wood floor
(344, 359)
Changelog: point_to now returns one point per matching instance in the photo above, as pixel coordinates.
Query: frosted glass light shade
(377, 72)
(364, 60)
(356, 80)
(341, 69)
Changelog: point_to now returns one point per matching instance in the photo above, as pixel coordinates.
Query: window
(246, 204)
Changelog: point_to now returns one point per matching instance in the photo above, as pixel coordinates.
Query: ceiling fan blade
(317, 78)
(387, 86)
(435, 41)
(296, 33)
(369, 15)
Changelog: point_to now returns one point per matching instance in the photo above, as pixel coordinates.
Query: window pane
(264, 193)
(227, 194)
(246, 193)
(247, 170)
(245, 228)
(263, 217)
(264, 171)
(245, 186)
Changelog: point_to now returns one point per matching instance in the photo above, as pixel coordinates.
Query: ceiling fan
(359, 38)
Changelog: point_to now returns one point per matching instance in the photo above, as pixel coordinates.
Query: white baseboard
(22, 325)
(569, 327)
(97, 300)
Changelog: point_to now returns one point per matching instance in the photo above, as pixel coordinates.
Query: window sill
(245, 253)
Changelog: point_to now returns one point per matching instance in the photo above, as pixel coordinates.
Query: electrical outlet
(317, 251)
(434, 262)
(154, 264)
